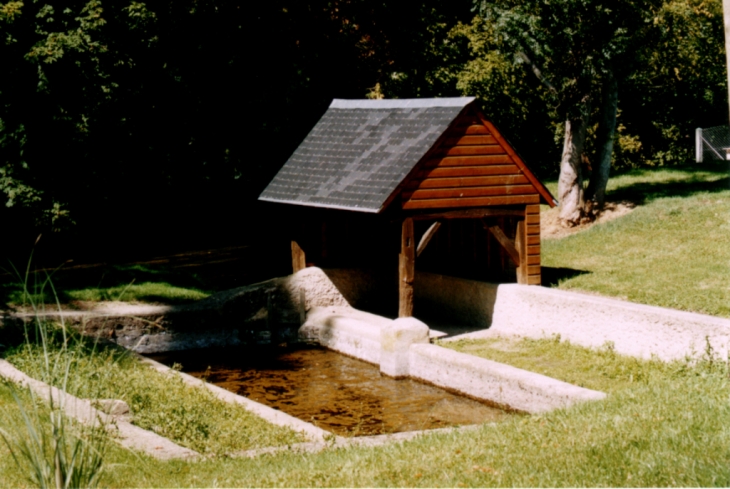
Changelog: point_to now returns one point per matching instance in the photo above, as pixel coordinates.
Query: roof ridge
(403, 103)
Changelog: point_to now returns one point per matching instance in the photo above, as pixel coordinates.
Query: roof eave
(321, 206)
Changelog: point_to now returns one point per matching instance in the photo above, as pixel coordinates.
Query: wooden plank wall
(532, 230)
(468, 168)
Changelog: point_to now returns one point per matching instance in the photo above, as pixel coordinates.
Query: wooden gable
(471, 165)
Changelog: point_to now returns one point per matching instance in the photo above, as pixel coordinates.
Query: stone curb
(401, 348)
(632, 329)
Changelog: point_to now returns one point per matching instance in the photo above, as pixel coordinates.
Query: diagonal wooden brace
(507, 244)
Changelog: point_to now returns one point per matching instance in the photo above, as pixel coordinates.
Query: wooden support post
(406, 269)
(298, 258)
(521, 246)
(427, 237)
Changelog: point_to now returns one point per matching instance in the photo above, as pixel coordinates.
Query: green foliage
(115, 114)
(508, 95)
(52, 451)
(112, 116)
(681, 84)
(667, 55)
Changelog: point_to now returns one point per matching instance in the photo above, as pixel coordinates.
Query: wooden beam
(469, 214)
(298, 258)
(406, 269)
(521, 246)
(506, 243)
(430, 232)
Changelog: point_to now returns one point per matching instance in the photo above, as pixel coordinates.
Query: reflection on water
(340, 394)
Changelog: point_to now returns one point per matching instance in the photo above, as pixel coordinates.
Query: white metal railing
(712, 143)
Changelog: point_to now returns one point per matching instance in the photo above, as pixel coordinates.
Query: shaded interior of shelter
(369, 244)
(340, 394)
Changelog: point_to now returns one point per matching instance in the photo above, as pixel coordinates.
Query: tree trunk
(606, 130)
(570, 183)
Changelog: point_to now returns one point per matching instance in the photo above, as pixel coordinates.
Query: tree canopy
(118, 114)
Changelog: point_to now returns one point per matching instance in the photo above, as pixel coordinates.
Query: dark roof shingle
(360, 151)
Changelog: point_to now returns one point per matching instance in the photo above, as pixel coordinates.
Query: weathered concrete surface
(395, 340)
(401, 348)
(270, 311)
(633, 329)
(496, 382)
(126, 434)
(346, 330)
(454, 301)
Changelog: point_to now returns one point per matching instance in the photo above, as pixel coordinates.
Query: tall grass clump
(163, 403)
(49, 449)
(191, 416)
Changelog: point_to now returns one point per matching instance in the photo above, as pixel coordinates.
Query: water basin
(340, 394)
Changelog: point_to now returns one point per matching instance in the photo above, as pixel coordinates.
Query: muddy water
(340, 394)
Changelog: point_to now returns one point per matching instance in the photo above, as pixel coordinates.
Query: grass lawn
(148, 283)
(190, 416)
(663, 424)
(166, 279)
(673, 250)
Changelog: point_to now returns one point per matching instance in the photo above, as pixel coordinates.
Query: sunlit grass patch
(600, 369)
(129, 283)
(671, 251)
(668, 428)
(190, 416)
(663, 424)
(162, 292)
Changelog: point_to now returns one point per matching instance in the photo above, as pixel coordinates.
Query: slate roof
(360, 151)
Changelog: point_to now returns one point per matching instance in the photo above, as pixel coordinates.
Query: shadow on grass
(117, 282)
(552, 276)
(644, 192)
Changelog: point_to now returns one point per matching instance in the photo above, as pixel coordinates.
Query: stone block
(395, 340)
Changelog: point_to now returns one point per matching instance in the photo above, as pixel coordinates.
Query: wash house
(401, 185)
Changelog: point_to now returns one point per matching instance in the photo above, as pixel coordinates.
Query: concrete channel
(316, 306)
